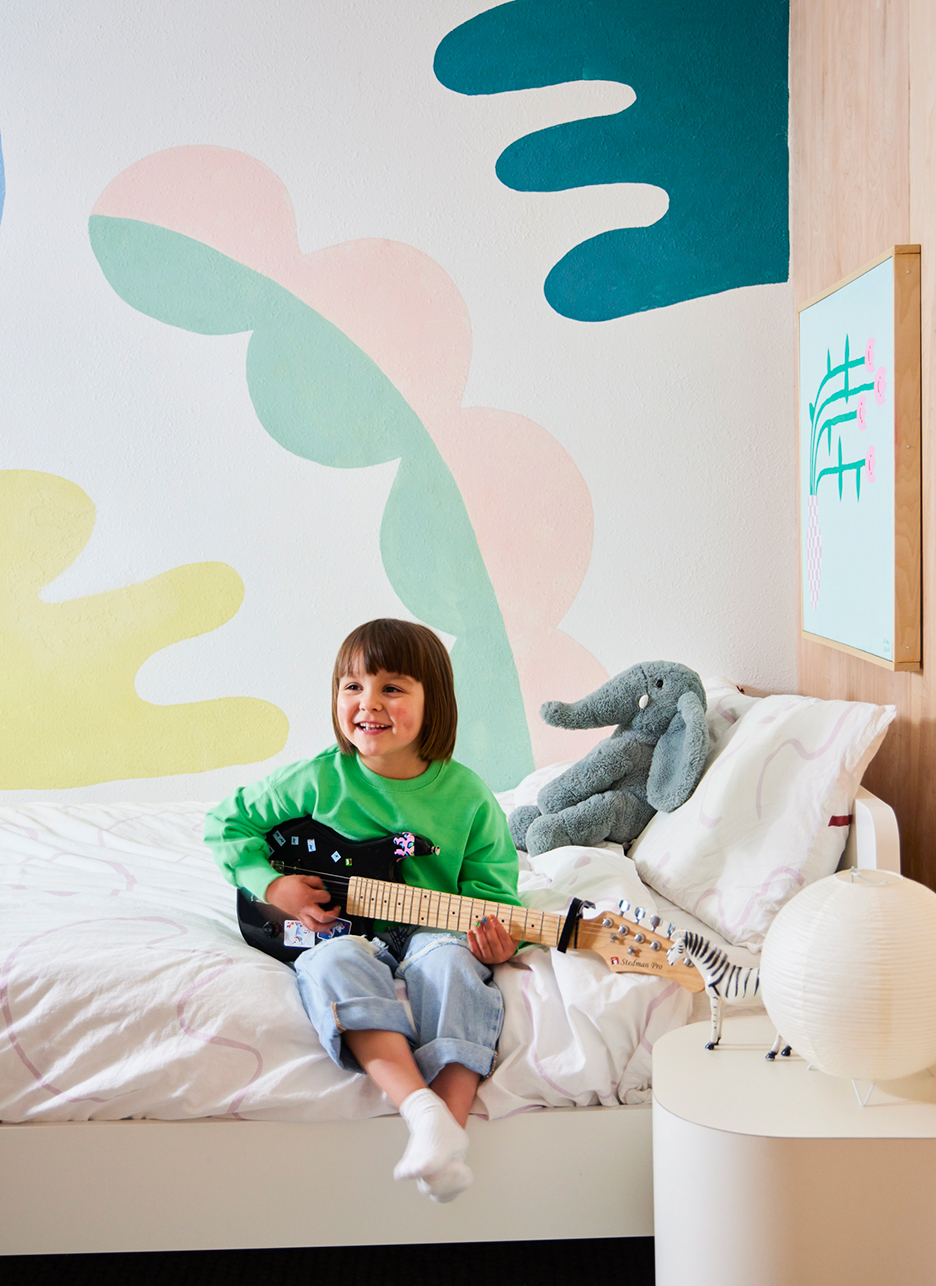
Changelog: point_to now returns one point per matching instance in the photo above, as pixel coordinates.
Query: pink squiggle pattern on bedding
(192, 1032)
(10, 1021)
(204, 1037)
(524, 989)
(724, 713)
(53, 893)
(704, 819)
(732, 925)
(658, 1000)
(129, 878)
(223, 1041)
(801, 750)
(525, 983)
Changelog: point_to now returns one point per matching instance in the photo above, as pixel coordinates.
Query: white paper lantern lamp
(848, 975)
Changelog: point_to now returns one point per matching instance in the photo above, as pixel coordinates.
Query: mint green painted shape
(322, 398)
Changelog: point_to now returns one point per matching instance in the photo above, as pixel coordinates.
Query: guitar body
(306, 847)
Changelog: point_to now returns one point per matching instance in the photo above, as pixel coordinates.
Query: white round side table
(767, 1174)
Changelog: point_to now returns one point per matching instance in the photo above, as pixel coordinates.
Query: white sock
(435, 1136)
(447, 1183)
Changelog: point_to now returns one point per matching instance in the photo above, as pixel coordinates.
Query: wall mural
(359, 355)
(69, 713)
(709, 125)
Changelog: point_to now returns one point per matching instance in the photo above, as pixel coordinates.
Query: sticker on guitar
(295, 934)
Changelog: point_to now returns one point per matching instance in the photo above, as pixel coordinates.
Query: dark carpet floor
(505, 1263)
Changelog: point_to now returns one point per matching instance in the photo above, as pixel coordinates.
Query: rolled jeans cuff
(431, 1058)
(365, 1013)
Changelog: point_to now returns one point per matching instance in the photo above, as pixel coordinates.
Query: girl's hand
(301, 897)
(490, 942)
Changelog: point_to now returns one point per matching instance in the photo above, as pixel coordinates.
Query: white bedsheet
(127, 991)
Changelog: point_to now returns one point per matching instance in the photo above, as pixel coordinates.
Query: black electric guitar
(365, 878)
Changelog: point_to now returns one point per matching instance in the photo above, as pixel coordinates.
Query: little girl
(394, 715)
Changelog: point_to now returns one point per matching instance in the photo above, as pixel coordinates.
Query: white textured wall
(679, 419)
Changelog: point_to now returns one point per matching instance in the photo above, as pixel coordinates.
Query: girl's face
(382, 716)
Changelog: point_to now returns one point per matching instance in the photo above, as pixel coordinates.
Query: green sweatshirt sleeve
(235, 830)
(490, 867)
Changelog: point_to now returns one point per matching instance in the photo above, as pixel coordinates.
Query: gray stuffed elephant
(652, 761)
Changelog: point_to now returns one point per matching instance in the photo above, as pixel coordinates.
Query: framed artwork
(859, 463)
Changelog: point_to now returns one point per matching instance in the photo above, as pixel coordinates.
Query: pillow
(771, 813)
(725, 704)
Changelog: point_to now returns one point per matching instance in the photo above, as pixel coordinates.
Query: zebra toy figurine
(725, 983)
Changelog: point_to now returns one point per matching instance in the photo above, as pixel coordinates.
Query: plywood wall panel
(863, 177)
(849, 137)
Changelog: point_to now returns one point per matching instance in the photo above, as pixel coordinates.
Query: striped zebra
(725, 983)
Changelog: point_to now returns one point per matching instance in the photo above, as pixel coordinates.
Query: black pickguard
(304, 846)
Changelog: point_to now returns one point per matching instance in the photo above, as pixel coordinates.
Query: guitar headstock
(633, 940)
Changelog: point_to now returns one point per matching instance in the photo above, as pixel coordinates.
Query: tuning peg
(654, 946)
(653, 921)
(623, 930)
(639, 913)
(670, 929)
(624, 906)
(639, 937)
(606, 923)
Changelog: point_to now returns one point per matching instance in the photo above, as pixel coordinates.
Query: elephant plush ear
(679, 756)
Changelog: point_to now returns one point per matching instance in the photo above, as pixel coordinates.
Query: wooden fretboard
(402, 904)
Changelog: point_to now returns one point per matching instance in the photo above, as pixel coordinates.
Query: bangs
(402, 647)
(374, 647)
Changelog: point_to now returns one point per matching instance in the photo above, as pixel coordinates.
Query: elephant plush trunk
(605, 706)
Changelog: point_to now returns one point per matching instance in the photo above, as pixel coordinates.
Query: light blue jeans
(346, 984)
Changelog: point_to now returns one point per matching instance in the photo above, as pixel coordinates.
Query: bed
(160, 1088)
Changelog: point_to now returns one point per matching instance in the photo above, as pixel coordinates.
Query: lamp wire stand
(862, 1102)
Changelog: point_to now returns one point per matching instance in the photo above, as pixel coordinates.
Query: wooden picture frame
(859, 441)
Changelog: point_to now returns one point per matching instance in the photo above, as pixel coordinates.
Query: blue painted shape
(709, 126)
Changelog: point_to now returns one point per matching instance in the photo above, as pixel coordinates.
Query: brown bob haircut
(401, 647)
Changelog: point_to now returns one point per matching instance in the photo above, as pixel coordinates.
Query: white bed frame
(79, 1187)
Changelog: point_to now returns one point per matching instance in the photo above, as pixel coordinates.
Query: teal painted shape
(323, 398)
(709, 125)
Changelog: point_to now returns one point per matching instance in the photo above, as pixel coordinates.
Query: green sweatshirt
(448, 805)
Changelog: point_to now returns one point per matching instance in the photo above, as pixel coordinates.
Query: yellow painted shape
(69, 712)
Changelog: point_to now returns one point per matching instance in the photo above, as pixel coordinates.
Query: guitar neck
(403, 904)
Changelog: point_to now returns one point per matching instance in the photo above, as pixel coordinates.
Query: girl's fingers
(490, 942)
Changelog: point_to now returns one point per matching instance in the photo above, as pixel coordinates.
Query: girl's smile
(382, 716)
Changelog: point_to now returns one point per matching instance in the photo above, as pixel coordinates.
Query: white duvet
(127, 991)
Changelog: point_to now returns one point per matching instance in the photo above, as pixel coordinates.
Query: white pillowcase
(769, 815)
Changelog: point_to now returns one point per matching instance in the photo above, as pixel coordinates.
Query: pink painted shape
(869, 354)
(880, 386)
(528, 503)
